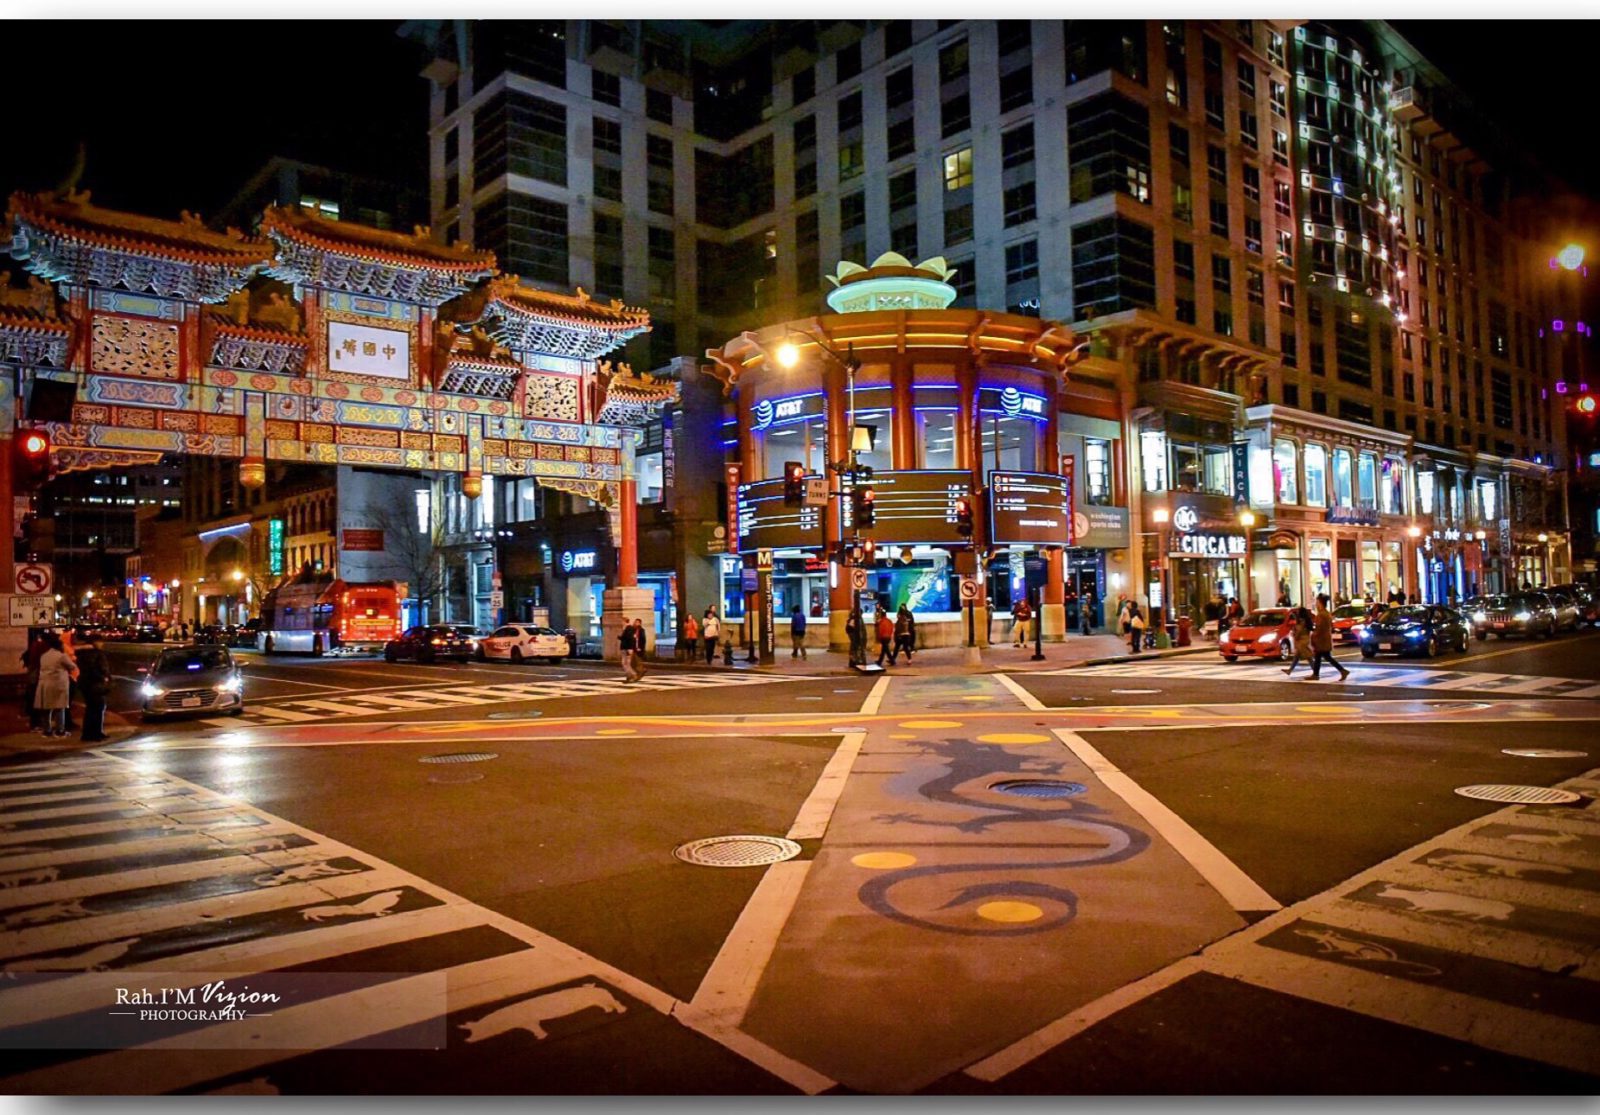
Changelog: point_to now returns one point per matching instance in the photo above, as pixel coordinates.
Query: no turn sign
(32, 578)
(969, 589)
(858, 579)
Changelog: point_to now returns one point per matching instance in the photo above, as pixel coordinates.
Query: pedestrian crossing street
(114, 874)
(1486, 934)
(1361, 673)
(304, 710)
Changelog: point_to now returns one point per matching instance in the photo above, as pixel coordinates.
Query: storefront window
(1425, 489)
(804, 440)
(1316, 476)
(1202, 468)
(1371, 571)
(1367, 478)
(1018, 440)
(1283, 471)
(1289, 579)
(1487, 504)
(1343, 481)
(648, 468)
(1097, 471)
(938, 438)
(1153, 460)
(1393, 489)
(1394, 577)
(1320, 554)
(879, 423)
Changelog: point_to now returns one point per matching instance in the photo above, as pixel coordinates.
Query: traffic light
(1586, 405)
(30, 460)
(964, 517)
(863, 509)
(869, 551)
(794, 483)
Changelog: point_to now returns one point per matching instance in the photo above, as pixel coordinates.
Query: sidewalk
(16, 738)
(1077, 650)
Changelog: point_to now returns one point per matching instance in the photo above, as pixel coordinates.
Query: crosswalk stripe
(1409, 677)
(277, 714)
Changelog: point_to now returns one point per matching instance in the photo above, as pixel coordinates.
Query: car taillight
(437, 642)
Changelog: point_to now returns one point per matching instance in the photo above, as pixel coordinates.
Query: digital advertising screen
(1029, 509)
(916, 506)
(767, 523)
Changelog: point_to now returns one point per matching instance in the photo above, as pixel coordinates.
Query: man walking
(641, 643)
(905, 632)
(625, 644)
(94, 682)
(1322, 641)
(1021, 613)
(885, 636)
(855, 629)
(710, 630)
(797, 632)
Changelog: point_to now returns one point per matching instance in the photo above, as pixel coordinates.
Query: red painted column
(905, 417)
(840, 595)
(628, 542)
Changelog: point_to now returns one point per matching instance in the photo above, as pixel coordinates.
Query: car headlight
(1415, 633)
(1227, 637)
(1523, 617)
(1480, 617)
(149, 691)
(232, 685)
(1269, 637)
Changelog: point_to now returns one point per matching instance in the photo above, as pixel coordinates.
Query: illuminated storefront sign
(1199, 544)
(769, 412)
(1011, 403)
(579, 561)
(275, 547)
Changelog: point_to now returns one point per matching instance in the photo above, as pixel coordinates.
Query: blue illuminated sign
(770, 412)
(579, 561)
(1013, 403)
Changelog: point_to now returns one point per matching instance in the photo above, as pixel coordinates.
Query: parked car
(1588, 601)
(1348, 622)
(468, 632)
(1569, 613)
(520, 641)
(148, 633)
(245, 636)
(192, 679)
(1424, 629)
(1267, 633)
(429, 644)
(1516, 613)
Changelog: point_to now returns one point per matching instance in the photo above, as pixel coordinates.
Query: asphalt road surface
(1165, 875)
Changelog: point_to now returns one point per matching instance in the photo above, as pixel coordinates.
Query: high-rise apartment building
(1290, 236)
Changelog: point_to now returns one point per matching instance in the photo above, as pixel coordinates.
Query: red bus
(317, 614)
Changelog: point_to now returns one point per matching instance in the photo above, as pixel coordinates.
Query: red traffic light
(35, 444)
(1586, 404)
(30, 460)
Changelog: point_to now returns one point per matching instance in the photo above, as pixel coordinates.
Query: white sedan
(521, 641)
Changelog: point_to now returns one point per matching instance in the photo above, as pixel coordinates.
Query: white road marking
(1361, 673)
(1240, 891)
(869, 707)
(1029, 701)
(730, 983)
(817, 810)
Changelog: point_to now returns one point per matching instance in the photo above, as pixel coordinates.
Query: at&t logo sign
(578, 561)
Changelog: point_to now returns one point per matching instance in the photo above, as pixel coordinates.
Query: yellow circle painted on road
(1010, 911)
(883, 860)
(1326, 708)
(617, 732)
(977, 698)
(930, 723)
(1013, 737)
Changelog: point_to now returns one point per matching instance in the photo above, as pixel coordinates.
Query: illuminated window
(958, 169)
(1316, 462)
(1153, 459)
(1097, 471)
(1343, 478)
(1283, 471)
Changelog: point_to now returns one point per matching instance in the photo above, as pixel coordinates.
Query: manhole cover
(1541, 753)
(1519, 795)
(525, 715)
(1136, 691)
(737, 851)
(1038, 788)
(460, 757)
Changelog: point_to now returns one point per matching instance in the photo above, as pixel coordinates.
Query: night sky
(178, 114)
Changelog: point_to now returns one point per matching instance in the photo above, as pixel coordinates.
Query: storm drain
(460, 757)
(1519, 795)
(1039, 788)
(1542, 753)
(737, 851)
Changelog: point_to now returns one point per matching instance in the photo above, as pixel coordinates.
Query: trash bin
(1183, 631)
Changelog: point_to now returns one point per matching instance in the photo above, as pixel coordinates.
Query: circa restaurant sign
(1202, 544)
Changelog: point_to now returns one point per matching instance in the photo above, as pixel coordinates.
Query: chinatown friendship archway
(318, 342)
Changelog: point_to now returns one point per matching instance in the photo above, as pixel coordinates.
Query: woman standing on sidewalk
(709, 630)
(56, 672)
(691, 638)
(1135, 629)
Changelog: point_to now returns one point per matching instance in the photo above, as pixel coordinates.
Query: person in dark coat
(855, 629)
(30, 663)
(1322, 641)
(905, 632)
(94, 682)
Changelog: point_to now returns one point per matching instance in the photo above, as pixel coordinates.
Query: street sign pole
(1038, 626)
